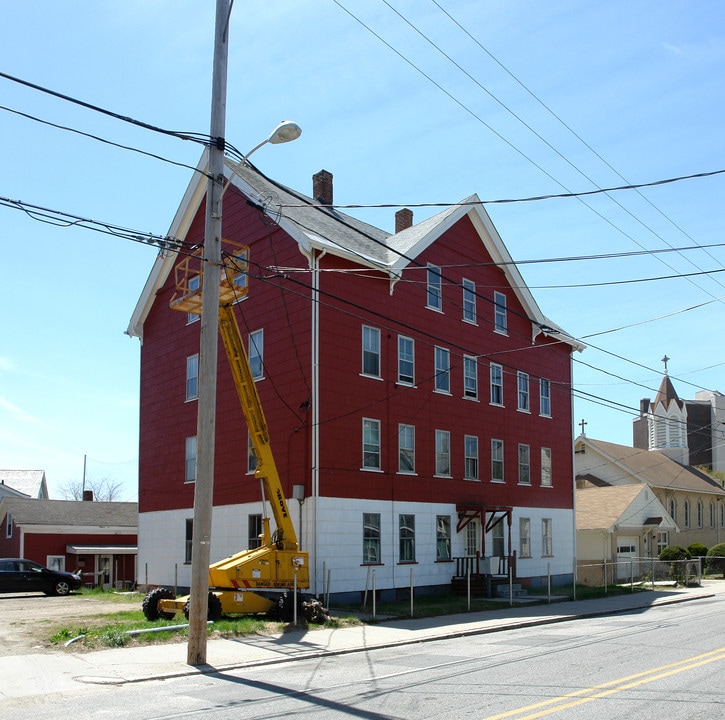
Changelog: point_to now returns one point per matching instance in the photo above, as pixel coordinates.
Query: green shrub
(697, 550)
(716, 558)
(674, 552)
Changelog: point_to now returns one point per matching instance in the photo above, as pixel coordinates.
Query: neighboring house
(419, 402)
(694, 501)
(97, 538)
(692, 432)
(23, 483)
(618, 524)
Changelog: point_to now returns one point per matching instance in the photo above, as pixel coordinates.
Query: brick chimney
(403, 220)
(322, 187)
(88, 496)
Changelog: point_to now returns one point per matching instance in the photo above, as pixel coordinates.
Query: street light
(285, 132)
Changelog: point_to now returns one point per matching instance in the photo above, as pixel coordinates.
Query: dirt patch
(27, 621)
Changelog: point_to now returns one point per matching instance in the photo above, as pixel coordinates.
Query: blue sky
(534, 99)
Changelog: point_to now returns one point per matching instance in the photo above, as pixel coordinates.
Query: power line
(203, 139)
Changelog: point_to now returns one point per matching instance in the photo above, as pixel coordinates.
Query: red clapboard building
(419, 402)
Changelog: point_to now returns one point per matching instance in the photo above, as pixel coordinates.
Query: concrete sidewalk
(62, 671)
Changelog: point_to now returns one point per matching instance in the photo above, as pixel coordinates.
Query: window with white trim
(193, 284)
(406, 526)
(190, 460)
(434, 294)
(406, 360)
(442, 381)
(712, 514)
(55, 562)
(256, 353)
(522, 380)
(500, 320)
(673, 509)
(469, 301)
(472, 543)
(699, 513)
(188, 539)
(524, 537)
(470, 377)
(370, 351)
(443, 537)
(371, 538)
(443, 453)
(496, 384)
(497, 461)
(8, 525)
(251, 455)
(687, 513)
(470, 466)
(192, 377)
(544, 397)
(406, 448)
(546, 537)
(546, 477)
(524, 464)
(371, 444)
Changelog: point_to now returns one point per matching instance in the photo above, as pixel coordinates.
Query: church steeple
(667, 421)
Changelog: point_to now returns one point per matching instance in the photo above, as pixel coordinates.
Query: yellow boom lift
(262, 579)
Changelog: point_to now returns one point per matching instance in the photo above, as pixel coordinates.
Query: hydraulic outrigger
(261, 579)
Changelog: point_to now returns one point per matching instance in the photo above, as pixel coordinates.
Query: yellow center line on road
(543, 708)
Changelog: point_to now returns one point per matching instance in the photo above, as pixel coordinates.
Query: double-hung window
(193, 284)
(470, 377)
(497, 461)
(192, 377)
(546, 477)
(256, 354)
(496, 384)
(406, 448)
(524, 464)
(254, 530)
(406, 360)
(470, 465)
(523, 391)
(469, 301)
(370, 351)
(442, 370)
(546, 538)
(188, 539)
(544, 397)
(525, 537)
(500, 321)
(443, 537)
(406, 525)
(190, 460)
(434, 294)
(371, 538)
(443, 453)
(371, 444)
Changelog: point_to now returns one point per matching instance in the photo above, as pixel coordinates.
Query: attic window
(9, 526)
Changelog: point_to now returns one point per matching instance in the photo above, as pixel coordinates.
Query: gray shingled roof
(28, 482)
(658, 470)
(26, 511)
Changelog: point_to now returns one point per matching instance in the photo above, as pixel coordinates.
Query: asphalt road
(663, 662)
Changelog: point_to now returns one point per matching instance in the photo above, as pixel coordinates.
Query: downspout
(315, 439)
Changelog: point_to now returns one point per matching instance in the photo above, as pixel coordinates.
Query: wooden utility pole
(206, 422)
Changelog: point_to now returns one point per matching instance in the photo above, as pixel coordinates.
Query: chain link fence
(640, 572)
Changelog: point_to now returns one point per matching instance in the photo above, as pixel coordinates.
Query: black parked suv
(18, 575)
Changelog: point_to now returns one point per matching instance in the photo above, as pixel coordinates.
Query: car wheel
(150, 604)
(62, 587)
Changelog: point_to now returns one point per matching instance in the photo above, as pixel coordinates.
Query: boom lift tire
(150, 605)
(214, 608)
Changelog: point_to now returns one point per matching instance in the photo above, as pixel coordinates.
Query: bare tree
(104, 490)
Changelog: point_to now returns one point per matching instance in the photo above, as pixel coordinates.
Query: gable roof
(316, 227)
(70, 513)
(604, 508)
(30, 483)
(652, 467)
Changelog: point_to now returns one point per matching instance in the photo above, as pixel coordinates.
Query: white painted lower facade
(337, 551)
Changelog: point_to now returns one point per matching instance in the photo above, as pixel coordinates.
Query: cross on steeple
(583, 423)
(665, 360)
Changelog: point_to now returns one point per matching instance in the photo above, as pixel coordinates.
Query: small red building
(419, 402)
(96, 538)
